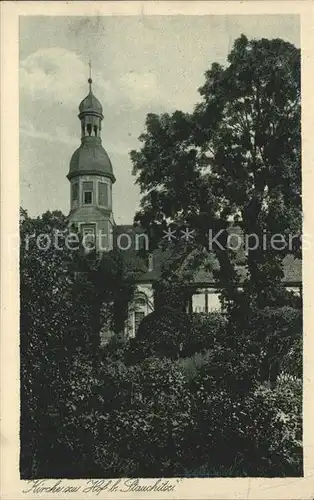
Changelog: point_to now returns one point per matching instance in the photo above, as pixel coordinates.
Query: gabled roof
(203, 276)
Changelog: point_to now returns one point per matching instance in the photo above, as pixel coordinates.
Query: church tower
(91, 178)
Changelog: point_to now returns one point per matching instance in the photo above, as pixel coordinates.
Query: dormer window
(87, 193)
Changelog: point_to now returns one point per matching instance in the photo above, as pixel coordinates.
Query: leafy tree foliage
(237, 156)
(163, 333)
(255, 433)
(273, 335)
(213, 413)
(156, 417)
(65, 298)
(49, 318)
(207, 330)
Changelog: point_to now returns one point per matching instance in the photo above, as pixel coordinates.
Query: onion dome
(91, 159)
(90, 104)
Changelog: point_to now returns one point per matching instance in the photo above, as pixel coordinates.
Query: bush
(116, 349)
(191, 366)
(273, 335)
(146, 437)
(163, 333)
(207, 329)
(209, 414)
(257, 433)
(160, 417)
(272, 423)
(172, 333)
(282, 436)
(172, 291)
(292, 360)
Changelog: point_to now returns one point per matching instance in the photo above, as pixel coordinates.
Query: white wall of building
(201, 304)
(141, 306)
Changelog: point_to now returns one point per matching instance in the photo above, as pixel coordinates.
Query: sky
(140, 65)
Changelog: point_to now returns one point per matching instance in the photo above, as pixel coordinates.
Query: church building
(91, 177)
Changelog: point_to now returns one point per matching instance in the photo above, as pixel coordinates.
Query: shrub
(284, 322)
(163, 333)
(257, 433)
(94, 393)
(191, 366)
(172, 291)
(158, 417)
(116, 348)
(272, 336)
(207, 329)
(274, 425)
(292, 359)
(147, 437)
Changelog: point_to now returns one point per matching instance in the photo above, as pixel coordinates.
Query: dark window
(87, 193)
(87, 197)
(103, 194)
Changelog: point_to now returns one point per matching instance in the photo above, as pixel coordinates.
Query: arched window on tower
(95, 130)
(89, 128)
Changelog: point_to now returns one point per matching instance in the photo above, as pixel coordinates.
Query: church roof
(292, 267)
(91, 158)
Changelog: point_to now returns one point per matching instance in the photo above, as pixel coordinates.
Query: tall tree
(236, 157)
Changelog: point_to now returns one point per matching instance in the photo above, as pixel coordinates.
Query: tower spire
(90, 81)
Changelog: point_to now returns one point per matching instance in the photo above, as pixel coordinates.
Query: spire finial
(90, 81)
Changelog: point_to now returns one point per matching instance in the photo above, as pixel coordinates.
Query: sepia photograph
(156, 262)
(161, 323)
